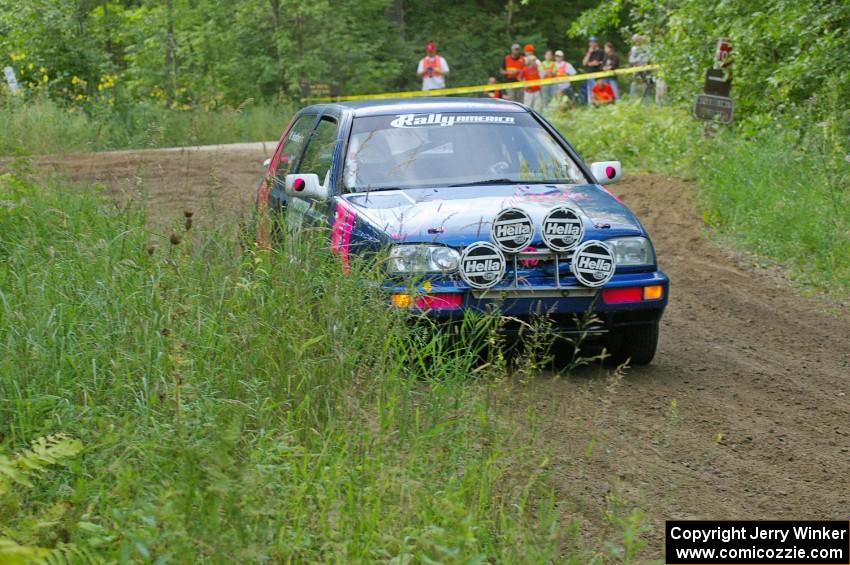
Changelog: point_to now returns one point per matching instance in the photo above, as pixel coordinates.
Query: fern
(43, 452)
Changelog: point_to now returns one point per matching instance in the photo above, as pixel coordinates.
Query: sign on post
(717, 83)
(721, 53)
(714, 104)
(317, 89)
(710, 107)
(11, 81)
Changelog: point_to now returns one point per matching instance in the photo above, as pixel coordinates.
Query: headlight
(632, 251)
(406, 259)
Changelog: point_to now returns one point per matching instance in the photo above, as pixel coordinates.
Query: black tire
(634, 343)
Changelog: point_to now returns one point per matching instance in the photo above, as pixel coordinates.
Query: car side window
(292, 145)
(318, 156)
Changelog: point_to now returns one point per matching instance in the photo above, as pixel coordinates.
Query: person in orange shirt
(510, 68)
(601, 93)
(532, 97)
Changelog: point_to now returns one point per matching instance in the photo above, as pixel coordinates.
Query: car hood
(459, 216)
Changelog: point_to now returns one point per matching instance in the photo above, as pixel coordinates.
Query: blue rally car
(482, 202)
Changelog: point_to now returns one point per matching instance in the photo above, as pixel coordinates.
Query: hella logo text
(482, 266)
(566, 228)
(592, 264)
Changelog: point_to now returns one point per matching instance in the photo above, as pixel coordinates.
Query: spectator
(592, 62)
(563, 68)
(510, 68)
(531, 71)
(612, 63)
(601, 93)
(550, 70)
(638, 57)
(432, 68)
(497, 94)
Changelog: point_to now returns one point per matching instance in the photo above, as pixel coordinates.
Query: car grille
(541, 274)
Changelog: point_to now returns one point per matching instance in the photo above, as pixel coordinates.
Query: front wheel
(634, 343)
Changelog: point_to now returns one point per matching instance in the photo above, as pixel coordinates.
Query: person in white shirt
(432, 68)
(563, 68)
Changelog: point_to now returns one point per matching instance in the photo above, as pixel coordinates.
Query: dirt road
(210, 180)
(745, 412)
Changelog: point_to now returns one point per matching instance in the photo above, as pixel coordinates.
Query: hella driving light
(632, 251)
(405, 259)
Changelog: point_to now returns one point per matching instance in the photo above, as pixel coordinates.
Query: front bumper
(569, 307)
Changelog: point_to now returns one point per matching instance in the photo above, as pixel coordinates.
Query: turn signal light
(402, 300)
(654, 292)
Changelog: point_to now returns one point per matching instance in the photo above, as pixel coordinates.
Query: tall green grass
(42, 126)
(777, 191)
(243, 405)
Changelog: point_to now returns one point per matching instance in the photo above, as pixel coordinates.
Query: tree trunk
(275, 7)
(170, 55)
(395, 13)
(107, 34)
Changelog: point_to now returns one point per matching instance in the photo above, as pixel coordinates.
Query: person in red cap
(432, 68)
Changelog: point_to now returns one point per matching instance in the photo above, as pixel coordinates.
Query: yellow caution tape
(488, 87)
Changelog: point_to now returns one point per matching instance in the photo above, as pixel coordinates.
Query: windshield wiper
(510, 181)
(365, 190)
(488, 181)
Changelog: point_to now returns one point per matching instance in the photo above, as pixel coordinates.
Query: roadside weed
(778, 191)
(245, 404)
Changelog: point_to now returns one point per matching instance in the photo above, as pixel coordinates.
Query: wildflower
(175, 239)
(151, 249)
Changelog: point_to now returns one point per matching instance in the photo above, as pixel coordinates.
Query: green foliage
(206, 53)
(786, 55)
(42, 126)
(243, 404)
(781, 198)
(43, 452)
(19, 471)
(644, 137)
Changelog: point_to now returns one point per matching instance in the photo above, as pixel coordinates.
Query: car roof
(386, 106)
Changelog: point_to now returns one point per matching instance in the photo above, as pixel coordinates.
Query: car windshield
(454, 149)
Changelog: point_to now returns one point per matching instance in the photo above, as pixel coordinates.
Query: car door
(285, 160)
(317, 158)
